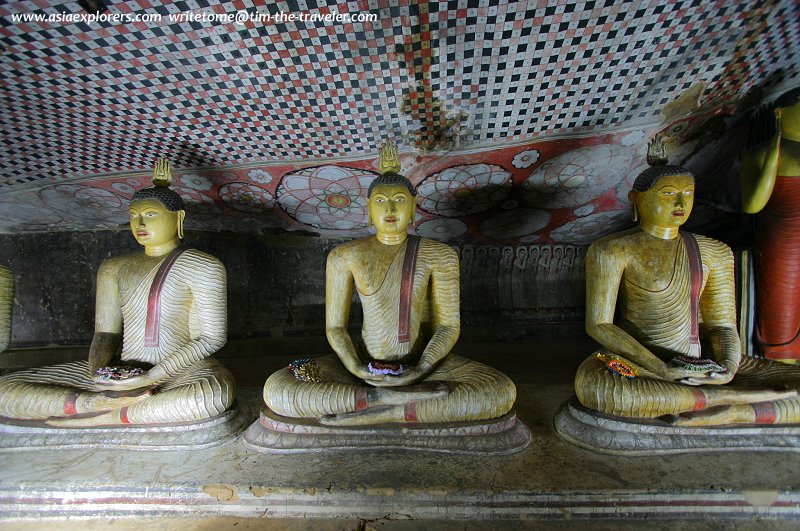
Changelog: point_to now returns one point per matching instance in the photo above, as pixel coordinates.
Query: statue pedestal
(625, 436)
(273, 433)
(20, 435)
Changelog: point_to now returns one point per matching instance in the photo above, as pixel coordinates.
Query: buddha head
(392, 198)
(392, 203)
(157, 213)
(787, 110)
(663, 195)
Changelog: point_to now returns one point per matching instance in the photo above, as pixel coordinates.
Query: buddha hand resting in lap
(165, 309)
(673, 349)
(402, 369)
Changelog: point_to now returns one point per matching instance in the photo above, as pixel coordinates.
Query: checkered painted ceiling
(247, 111)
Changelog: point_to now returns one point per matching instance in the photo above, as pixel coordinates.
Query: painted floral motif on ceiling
(327, 197)
(585, 230)
(87, 204)
(464, 190)
(576, 177)
(569, 190)
(442, 229)
(246, 197)
(526, 123)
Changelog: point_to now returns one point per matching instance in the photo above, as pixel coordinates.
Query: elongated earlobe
(632, 196)
(181, 217)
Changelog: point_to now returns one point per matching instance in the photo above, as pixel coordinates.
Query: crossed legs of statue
(457, 390)
(65, 396)
(754, 396)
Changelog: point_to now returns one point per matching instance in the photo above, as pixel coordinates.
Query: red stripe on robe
(154, 299)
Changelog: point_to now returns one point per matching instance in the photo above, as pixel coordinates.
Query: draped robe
(192, 325)
(477, 392)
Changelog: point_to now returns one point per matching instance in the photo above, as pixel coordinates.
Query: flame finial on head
(389, 160)
(658, 161)
(162, 178)
(162, 173)
(657, 152)
(389, 168)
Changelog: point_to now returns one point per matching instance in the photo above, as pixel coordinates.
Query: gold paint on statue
(639, 309)
(173, 342)
(154, 227)
(435, 385)
(761, 167)
(666, 208)
(389, 160)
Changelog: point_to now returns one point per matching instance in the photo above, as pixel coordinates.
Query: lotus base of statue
(273, 433)
(613, 434)
(26, 435)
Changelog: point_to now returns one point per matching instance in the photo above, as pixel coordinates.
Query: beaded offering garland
(379, 367)
(118, 372)
(617, 366)
(306, 370)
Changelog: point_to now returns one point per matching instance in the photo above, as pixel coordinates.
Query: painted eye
(400, 199)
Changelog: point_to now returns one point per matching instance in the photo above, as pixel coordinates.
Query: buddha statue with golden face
(771, 188)
(400, 370)
(661, 304)
(6, 304)
(163, 310)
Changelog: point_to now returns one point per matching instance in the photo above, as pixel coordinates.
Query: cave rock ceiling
(517, 122)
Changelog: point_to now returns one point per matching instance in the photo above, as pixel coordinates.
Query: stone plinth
(611, 434)
(273, 433)
(16, 435)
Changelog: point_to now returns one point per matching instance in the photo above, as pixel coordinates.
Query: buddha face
(152, 223)
(668, 203)
(391, 208)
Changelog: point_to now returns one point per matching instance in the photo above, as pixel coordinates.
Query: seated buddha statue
(771, 188)
(400, 369)
(6, 304)
(661, 303)
(163, 311)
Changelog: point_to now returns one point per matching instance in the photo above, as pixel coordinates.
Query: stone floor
(551, 484)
